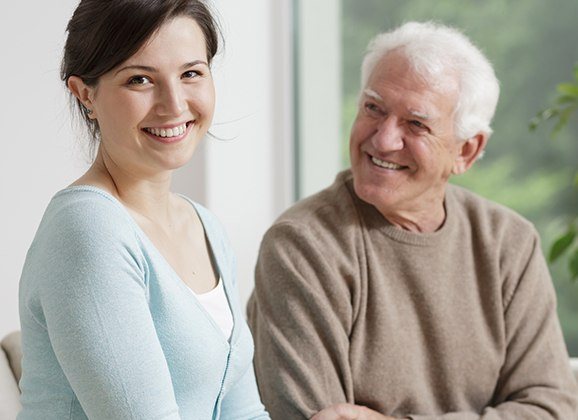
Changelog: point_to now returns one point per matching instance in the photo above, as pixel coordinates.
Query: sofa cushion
(9, 392)
(11, 344)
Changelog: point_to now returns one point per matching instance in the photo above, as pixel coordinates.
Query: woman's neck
(145, 195)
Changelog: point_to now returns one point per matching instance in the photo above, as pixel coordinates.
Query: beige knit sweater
(457, 324)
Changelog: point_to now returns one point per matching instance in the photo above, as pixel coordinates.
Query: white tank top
(216, 304)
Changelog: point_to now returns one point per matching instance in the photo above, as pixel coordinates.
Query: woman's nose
(171, 101)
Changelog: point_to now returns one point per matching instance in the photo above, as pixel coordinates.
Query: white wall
(38, 155)
(246, 182)
(250, 178)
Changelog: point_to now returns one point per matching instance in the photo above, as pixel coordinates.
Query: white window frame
(318, 94)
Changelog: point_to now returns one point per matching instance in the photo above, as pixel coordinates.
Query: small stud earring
(88, 111)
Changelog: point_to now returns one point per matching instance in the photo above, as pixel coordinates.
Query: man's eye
(418, 124)
(138, 80)
(372, 108)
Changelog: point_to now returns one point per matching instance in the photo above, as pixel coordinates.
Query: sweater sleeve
(300, 314)
(94, 303)
(535, 381)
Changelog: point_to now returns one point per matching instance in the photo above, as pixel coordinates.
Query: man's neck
(425, 219)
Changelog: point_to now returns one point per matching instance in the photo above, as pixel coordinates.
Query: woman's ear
(468, 151)
(83, 92)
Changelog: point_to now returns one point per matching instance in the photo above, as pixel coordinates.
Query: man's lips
(386, 164)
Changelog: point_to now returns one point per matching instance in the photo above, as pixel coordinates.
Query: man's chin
(379, 195)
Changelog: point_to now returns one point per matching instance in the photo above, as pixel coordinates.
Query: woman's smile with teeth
(386, 165)
(167, 132)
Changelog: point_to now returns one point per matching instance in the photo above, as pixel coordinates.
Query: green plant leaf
(534, 123)
(563, 117)
(542, 116)
(549, 113)
(562, 244)
(566, 99)
(573, 265)
(570, 89)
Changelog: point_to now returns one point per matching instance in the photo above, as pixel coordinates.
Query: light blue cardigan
(109, 331)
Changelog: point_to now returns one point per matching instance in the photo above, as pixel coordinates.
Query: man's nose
(389, 135)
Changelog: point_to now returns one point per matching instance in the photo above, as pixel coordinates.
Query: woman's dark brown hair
(103, 34)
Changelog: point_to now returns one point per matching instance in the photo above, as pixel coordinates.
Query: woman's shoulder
(81, 214)
(85, 195)
(84, 234)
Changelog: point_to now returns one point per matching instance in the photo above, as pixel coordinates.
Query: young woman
(127, 299)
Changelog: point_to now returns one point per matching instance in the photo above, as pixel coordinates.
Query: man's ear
(83, 92)
(468, 151)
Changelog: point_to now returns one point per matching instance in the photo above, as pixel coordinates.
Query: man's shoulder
(329, 206)
(489, 216)
(329, 216)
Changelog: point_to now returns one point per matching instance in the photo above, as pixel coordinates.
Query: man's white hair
(441, 54)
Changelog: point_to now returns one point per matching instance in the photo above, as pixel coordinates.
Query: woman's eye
(138, 80)
(191, 74)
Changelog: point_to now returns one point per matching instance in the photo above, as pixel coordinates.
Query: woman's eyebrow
(150, 69)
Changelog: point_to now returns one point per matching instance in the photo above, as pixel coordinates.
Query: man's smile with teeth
(386, 165)
(167, 132)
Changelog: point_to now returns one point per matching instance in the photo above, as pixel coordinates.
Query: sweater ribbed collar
(374, 220)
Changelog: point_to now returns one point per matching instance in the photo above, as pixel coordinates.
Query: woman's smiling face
(153, 109)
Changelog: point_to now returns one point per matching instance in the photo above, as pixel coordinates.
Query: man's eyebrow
(373, 94)
(150, 69)
(419, 115)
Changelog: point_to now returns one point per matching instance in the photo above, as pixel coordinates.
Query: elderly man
(392, 294)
